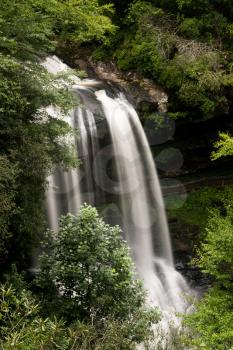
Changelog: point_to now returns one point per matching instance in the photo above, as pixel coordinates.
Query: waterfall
(117, 167)
(144, 217)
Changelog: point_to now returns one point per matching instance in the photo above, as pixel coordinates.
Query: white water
(144, 216)
(137, 187)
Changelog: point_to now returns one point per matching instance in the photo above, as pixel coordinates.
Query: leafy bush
(182, 46)
(210, 325)
(87, 274)
(215, 253)
(23, 328)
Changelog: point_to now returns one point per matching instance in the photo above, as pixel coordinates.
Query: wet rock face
(144, 91)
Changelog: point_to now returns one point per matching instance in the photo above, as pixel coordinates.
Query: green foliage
(215, 253)
(195, 210)
(190, 5)
(183, 46)
(142, 10)
(196, 8)
(32, 141)
(121, 6)
(190, 28)
(8, 174)
(113, 334)
(25, 31)
(23, 328)
(223, 147)
(211, 324)
(29, 27)
(188, 217)
(89, 273)
(78, 20)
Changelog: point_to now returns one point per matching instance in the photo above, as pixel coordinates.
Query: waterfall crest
(117, 167)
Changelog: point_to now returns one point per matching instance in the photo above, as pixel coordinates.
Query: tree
(87, 274)
(185, 46)
(78, 21)
(30, 138)
(178, 53)
(210, 326)
(30, 28)
(31, 143)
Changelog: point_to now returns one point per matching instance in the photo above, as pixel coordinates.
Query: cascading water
(142, 205)
(135, 184)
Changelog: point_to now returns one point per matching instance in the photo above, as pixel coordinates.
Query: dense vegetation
(29, 141)
(87, 288)
(91, 300)
(186, 46)
(211, 325)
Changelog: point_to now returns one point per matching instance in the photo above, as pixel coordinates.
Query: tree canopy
(30, 138)
(185, 46)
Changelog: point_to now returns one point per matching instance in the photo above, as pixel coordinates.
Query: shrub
(210, 326)
(87, 274)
